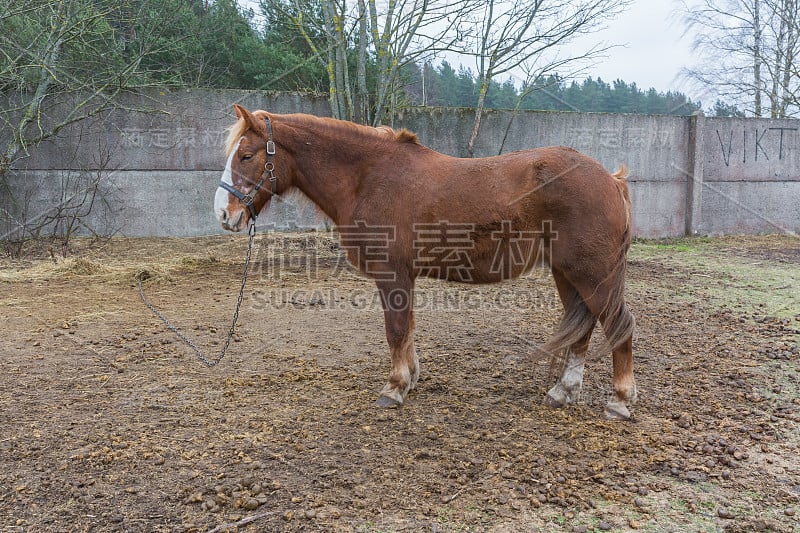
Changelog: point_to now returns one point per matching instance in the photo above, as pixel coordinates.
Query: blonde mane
(235, 133)
(239, 128)
(384, 132)
(402, 136)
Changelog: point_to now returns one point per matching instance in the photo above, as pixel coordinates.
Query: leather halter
(269, 173)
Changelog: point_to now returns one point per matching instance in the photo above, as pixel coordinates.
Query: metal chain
(209, 363)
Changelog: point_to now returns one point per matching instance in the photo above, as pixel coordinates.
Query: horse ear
(253, 122)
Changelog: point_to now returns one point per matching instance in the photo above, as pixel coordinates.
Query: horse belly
(486, 257)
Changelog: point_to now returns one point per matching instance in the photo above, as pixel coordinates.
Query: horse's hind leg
(624, 385)
(608, 304)
(568, 388)
(397, 300)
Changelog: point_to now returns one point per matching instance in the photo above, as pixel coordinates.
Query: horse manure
(211, 506)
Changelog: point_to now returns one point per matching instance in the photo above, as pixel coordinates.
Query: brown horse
(405, 211)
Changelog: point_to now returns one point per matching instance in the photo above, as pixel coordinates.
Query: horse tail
(619, 322)
(576, 323)
(621, 181)
(578, 320)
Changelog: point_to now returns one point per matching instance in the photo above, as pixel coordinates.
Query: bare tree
(749, 52)
(388, 35)
(525, 35)
(74, 195)
(410, 31)
(58, 51)
(63, 62)
(782, 62)
(325, 28)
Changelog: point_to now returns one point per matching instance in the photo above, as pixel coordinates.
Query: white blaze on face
(221, 197)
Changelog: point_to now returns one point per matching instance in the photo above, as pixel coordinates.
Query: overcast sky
(651, 50)
(654, 51)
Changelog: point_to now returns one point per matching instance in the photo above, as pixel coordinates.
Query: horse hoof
(552, 401)
(387, 403)
(617, 411)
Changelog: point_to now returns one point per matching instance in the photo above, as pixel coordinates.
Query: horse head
(249, 180)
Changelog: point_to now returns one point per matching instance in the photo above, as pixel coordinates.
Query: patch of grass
(677, 244)
(198, 263)
(715, 276)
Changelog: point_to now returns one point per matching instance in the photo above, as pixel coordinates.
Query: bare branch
(520, 34)
(749, 52)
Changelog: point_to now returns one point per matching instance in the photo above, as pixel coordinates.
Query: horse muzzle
(231, 223)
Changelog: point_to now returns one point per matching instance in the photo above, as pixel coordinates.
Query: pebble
(604, 526)
(722, 512)
(251, 504)
(580, 529)
(789, 511)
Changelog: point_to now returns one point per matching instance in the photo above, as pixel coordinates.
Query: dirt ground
(109, 423)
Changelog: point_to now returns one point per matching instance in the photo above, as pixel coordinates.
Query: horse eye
(247, 157)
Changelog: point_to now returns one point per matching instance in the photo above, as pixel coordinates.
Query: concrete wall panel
(687, 174)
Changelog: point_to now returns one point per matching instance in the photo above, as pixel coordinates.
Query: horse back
(488, 219)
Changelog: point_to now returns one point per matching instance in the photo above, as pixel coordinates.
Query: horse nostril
(224, 216)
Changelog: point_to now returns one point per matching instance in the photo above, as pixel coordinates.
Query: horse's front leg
(397, 298)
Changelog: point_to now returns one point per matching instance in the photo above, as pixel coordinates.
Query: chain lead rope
(203, 359)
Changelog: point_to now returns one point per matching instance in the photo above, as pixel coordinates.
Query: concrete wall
(750, 176)
(691, 175)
